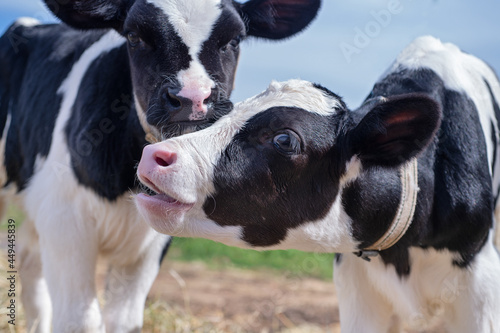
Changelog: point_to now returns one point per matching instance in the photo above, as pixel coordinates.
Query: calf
(408, 182)
(76, 106)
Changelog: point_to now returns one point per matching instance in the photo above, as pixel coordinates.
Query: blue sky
(351, 42)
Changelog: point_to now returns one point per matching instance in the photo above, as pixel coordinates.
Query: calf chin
(164, 128)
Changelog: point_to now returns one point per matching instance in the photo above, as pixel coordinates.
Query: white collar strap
(406, 210)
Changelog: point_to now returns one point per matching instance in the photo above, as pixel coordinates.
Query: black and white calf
(72, 102)
(408, 182)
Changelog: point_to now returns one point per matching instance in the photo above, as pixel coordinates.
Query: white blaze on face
(193, 21)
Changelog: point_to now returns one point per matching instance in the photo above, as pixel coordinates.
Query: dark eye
(234, 44)
(286, 143)
(133, 39)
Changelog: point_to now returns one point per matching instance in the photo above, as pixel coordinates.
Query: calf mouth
(158, 202)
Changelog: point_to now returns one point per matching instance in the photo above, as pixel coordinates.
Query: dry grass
(159, 317)
(162, 318)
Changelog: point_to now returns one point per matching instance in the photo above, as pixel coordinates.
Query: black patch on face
(268, 192)
(157, 55)
(219, 54)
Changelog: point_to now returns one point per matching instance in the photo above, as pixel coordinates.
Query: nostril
(161, 162)
(174, 100)
(164, 158)
(211, 96)
(171, 99)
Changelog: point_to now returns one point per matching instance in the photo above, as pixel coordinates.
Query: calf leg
(361, 307)
(69, 253)
(128, 283)
(35, 295)
(474, 296)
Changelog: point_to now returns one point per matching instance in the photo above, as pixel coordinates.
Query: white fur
(68, 226)
(193, 21)
(372, 295)
(3, 172)
(330, 234)
(27, 21)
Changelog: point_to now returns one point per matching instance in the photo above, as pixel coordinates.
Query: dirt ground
(256, 301)
(237, 300)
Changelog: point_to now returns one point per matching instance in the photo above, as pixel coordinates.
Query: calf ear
(90, 14)
(277, 19)
(396, 130)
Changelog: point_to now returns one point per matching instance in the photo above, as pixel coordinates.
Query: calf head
(183, 53)
(270, 174)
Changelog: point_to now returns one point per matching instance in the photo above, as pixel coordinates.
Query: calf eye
(234, 44)
(133, 39)
(286, 143)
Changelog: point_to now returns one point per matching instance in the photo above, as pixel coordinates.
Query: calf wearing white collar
(409, 181)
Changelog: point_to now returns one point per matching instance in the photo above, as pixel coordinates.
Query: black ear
(277, 19)
(91, 14)
(395, 130)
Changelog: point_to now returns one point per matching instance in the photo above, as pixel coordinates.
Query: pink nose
(187, 104)
(198, 97)
(155, 158)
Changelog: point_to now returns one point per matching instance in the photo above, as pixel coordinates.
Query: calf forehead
(192, 19)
